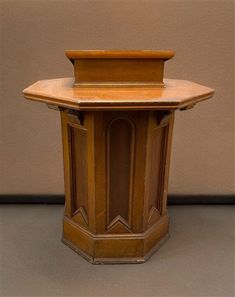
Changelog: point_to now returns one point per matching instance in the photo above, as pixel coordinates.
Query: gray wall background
(34, 35)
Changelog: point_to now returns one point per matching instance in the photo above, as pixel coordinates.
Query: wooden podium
(117, 118)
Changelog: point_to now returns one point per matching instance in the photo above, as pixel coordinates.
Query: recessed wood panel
(105, 71)
(78, 151)
(158, 148)
(155, 170)
(120, 154)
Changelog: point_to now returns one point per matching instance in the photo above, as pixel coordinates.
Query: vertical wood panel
(79, 169)
(89, 124)
(79, 172)
(120, 154)
(158, 131)
(166, 165)
(67, 162)
(141, 123)
(155, 171)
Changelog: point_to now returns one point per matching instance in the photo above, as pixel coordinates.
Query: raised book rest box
(117, 119)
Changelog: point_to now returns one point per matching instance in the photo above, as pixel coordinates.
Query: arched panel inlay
(120, 155)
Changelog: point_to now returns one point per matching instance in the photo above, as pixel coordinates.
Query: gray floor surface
(197, 260)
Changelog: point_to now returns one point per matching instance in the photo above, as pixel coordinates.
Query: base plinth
(113, 249)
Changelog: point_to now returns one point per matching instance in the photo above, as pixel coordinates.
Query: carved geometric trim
(53, 107)
(162, 117)
(118, 225)
(154, 215)
(187, 107)
(81, 211)
(78, 114)
(119, 219)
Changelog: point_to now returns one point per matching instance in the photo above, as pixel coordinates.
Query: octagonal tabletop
(177, 94)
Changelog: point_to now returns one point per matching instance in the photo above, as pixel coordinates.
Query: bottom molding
(115, 248)
(98, 261)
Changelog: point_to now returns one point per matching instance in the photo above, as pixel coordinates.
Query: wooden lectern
(117, 118)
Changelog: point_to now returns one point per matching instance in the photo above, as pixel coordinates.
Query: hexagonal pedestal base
(116, 172)
(114, 249)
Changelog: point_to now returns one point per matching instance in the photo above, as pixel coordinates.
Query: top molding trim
(119, 54)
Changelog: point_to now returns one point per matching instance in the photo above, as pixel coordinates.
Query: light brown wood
(109, 68)
(116, 148)
(127, 153)
(176, 94)
(119, 54)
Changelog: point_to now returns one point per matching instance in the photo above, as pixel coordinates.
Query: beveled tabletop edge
(120, 54)
(117, 105)
(130, 104)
